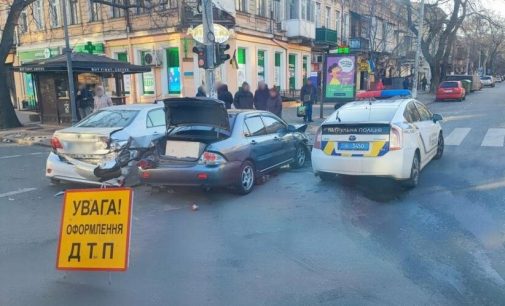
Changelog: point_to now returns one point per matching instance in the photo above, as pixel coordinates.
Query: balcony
(326, 36)
(358, 44)
(299, 28)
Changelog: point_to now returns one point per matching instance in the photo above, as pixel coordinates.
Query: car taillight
(145, 164)
(395, 138)
(317, 140)
(55, 143)
(211, 159)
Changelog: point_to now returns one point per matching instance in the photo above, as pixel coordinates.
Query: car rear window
(485, 78)
(119, 118)
(365, 114)
(449, 84)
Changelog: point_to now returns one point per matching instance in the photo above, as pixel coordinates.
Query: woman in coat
(101, 99)
(274, 102)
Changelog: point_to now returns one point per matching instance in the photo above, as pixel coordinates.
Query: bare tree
(441, 30)
(8, 118)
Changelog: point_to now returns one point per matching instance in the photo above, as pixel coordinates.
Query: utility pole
(68, 52)
(418, 49)
(209, 41)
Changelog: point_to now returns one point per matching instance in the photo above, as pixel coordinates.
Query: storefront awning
(82, 62)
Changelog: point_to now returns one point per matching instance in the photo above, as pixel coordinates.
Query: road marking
(11, 193)
(455, 138)
(494, 138)
(20, 155)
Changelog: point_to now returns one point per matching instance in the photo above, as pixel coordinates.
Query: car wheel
(246, 179)
(300, 158)
(414, 172)
(440, 147)
(324, 176)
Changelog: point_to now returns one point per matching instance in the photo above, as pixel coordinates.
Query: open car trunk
(193, 124)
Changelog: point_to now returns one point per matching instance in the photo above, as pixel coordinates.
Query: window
(304, 9)
(109, 118)
(292, 9)
(423, 112)
(38, 14)
(345, 30)
(327, 21)
(449, 84)
(241, 5)
(254, 127)
(292, 71)
(139, 9)
(23, 22)
(318, 15)
(95, 11)
(261, 7)
(117, 12)
(273, 126)
(54, 13)
(364, 114)
(155, 118)
(338, 21)
(73, 12)
(411, 114)
(277, 11)
(261, 65)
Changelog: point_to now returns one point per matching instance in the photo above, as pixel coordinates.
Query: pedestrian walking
(84, 101)
(308, 96)
(201, 91)
(101, 99)
(224, 95)
(261, 96)
(274, 102)
(244, 98)
(406, 83)
(424, 83)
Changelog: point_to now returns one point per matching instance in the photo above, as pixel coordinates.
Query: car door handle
(253, 142)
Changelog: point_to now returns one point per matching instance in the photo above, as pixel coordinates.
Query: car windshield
(449, 84)
(364, 114)
(119, 118)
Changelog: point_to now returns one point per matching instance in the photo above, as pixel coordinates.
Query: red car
(450, 90)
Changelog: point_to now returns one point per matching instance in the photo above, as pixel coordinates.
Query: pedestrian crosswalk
(494, 137)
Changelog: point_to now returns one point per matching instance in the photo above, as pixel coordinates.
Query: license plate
(353, 146)
(448, 90)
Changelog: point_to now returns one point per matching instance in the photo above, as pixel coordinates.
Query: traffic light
(221, 56)
(201, 51)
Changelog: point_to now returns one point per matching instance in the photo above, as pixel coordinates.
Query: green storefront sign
(89, 47)
(38, 54)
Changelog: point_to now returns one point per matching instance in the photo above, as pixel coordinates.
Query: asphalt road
(293, 241)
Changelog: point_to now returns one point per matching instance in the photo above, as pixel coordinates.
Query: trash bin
(467, 85)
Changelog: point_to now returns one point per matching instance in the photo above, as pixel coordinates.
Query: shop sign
(339, 78)
(38, 54)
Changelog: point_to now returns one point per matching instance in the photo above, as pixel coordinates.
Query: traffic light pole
(209, 41)
(418, 49)
(70, 73)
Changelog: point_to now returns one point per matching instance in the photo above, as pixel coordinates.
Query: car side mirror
(437, 117)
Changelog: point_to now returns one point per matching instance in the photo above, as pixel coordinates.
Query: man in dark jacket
(308, 96)
(224, 95)
(406, 83)
(84, 101)
(261, 96)
(244, 98)
(274, 102)
(201, 92)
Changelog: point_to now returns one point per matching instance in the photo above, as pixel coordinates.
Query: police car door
(428, 128)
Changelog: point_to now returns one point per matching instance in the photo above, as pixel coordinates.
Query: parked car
(476, 83)
(498, 79)
(389, 138)
(78, 150)
(208, 146)
(487, 80)
(450, 90)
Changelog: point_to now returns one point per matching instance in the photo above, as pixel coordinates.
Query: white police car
(390, 138)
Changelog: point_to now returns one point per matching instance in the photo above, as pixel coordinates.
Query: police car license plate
(353, 146)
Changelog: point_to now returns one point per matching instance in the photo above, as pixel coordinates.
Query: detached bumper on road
(198, 175)
(394, 164)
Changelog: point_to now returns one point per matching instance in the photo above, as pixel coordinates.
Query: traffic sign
(95, 230)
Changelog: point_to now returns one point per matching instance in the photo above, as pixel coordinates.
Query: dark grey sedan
(208, 146)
